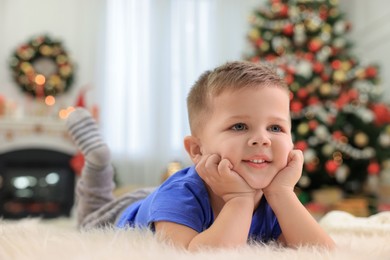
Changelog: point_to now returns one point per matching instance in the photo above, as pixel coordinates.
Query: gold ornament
(338, 157)
(361, 139)
(327, 28)
(45, 50)
(345, 65)
(325, 89)
(303, 128)
(254, 34)
(339, 76)
(264, 46)
(172, 168)
(360, 73)
(327, 149)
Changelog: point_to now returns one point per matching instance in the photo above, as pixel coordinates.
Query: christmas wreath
(42, 67)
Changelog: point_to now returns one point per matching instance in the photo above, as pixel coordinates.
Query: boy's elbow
(326, 243)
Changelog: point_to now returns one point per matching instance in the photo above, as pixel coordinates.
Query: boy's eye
(239, 127)
(275, 128)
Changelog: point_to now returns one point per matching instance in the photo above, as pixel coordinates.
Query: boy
(241, 185)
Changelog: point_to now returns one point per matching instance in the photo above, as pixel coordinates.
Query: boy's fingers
(224, 166)
(296, 158)
(208, 163)
(212, 161)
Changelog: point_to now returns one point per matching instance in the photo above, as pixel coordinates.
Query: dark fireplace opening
(36, 183)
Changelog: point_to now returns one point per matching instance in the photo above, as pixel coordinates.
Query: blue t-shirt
(183, 199)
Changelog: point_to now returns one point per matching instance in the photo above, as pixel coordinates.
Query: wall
(76, 23)
(371, 34)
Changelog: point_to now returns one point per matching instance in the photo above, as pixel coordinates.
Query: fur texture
(357, 238)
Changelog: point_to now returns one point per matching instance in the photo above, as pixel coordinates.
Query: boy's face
(252, 129)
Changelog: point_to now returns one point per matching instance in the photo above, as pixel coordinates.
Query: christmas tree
(338, 119)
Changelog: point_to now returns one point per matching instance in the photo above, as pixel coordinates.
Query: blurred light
(26, 193)
(50, 100)
(64, 113)
(40, 79)
(52, 178)
(21, 182)
(70, 110)
(32, 181)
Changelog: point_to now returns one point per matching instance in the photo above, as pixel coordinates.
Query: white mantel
(36, 133)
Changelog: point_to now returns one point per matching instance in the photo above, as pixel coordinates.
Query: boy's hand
(287, 177)
(223, 181)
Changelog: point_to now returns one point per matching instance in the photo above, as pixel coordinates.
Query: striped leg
(95, 186)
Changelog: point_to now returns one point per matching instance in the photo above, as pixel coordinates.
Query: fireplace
(36, 179)
(36, 182)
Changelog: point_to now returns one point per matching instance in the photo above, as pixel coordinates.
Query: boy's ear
(192, 146)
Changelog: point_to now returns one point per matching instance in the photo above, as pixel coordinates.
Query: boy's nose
(259, 140)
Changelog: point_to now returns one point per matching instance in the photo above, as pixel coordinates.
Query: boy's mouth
(257, 161)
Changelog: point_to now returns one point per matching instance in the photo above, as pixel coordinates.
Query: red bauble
(313, 124)
(382, 114)
(342, 100)
(270, 57)
(296, 106)
(373, 168)
(301, 145)
(283, 11)
(289, 78)
(309, 56)
(314, 45)
(324, 14)
(318, 67)
(310, 167)
(290, 69)
(302, 93)
(336, 64)
(371, 72)
(331, 167)
(325, 77)
(288, 29)
(313, 101)
(337, 135)
(353, 94)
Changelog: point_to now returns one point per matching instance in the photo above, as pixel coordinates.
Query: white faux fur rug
(357, 238)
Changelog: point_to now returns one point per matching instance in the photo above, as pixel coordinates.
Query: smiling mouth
(256, 161)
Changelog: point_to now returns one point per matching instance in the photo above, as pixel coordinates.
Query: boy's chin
(259, 186)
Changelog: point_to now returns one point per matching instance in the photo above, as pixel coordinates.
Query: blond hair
(230, 76)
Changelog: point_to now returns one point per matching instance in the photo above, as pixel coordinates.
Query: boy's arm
(231, 225)
(230, 228)
(298, 226)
